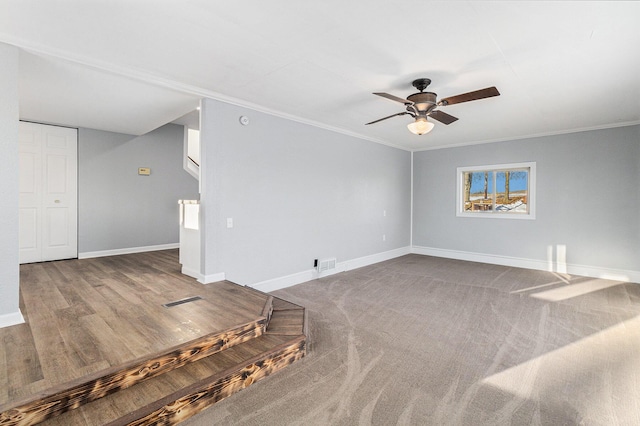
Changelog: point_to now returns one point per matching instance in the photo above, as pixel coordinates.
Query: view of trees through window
(499, 191)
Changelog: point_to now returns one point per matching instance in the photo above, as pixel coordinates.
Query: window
(498, 191)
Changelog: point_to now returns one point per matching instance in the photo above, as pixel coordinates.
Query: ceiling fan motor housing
(423, 101)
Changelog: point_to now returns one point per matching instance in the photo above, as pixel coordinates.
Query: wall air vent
(326, 265)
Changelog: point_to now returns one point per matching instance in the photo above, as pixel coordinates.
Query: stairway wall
(120, 209)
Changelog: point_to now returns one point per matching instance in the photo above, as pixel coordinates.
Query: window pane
(480, 196)
(512, 191)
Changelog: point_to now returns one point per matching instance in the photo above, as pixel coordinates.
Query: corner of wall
(14, 318)
(311, 274)
(210, 278)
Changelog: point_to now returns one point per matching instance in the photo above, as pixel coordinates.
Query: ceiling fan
(423, 104)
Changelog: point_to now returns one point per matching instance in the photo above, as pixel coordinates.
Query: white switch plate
(229, 222)
(384, 237)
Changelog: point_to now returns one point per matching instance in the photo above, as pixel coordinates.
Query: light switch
(144, 171)
(229, 222)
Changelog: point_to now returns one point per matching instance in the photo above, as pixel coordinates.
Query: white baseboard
(286, 281)
(192, 273)
(129, 250)
(13, 318)
(311, 274)
(375, 258)
(211, 278)
(541, 265)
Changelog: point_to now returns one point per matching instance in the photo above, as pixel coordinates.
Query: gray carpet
(426, 341)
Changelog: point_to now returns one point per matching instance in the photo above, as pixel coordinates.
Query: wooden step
(194, 398)
(181, 393)
(289, 319)
(181, 382)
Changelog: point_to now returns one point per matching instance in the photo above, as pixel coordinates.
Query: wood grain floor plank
(88, 316)
(73, 294)
(81, 350)
(55, 275)
(289, 322)
(50, 345)
(281, 304)
(43, 296)
(111, 343)
(34, 273)
(90, 270)
(18, 343)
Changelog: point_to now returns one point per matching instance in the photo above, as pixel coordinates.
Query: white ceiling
(132, 65)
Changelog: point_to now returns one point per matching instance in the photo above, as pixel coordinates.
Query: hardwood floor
(87, 317)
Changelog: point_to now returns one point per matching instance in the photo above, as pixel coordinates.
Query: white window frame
(490, 214)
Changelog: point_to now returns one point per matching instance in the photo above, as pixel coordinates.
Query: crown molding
(532, 136)
(160, 81)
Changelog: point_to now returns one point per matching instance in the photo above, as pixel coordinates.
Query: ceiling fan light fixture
(423, 104)
(420, 126)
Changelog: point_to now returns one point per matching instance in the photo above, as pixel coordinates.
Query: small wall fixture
(420, 126)
(244, 120)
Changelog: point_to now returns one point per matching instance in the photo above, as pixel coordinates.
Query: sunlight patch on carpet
(575, 290)
(574, 371)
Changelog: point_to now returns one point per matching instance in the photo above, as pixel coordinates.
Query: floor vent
(326, 265)
(182, 301)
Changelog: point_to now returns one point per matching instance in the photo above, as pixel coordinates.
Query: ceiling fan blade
(471, 96)
(442, 117)
(394, 98)
(394, 115)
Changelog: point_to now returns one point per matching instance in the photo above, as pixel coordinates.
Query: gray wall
(9, 110)
(119, 209)
(588, 198)
(295, 193)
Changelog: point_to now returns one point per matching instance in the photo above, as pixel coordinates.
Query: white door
(48, 192)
